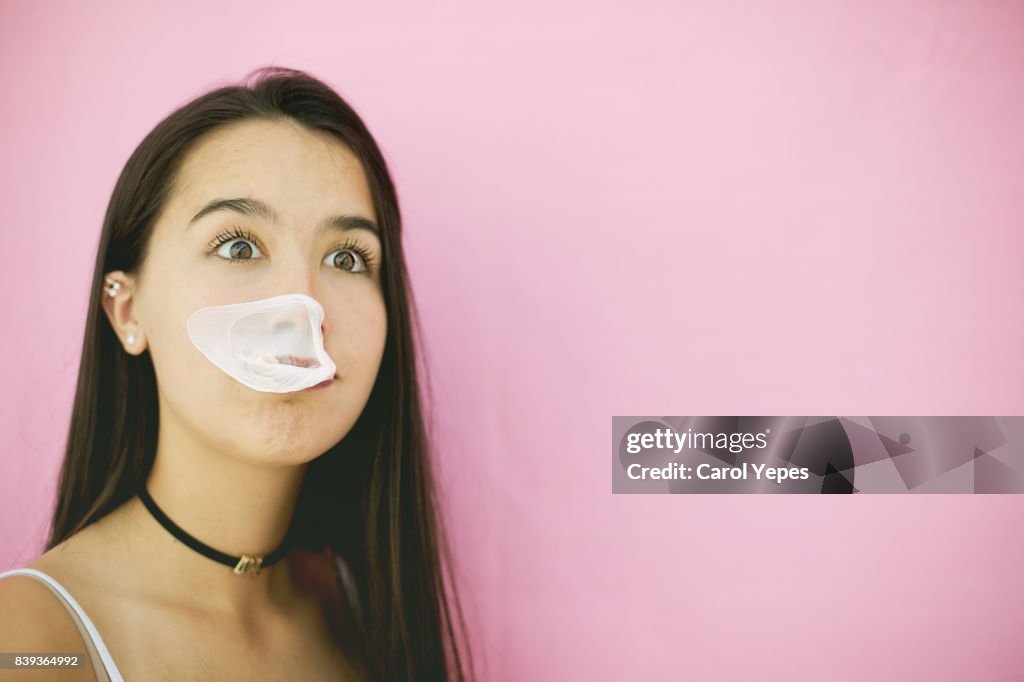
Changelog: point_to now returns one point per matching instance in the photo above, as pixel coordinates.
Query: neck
(234, 506)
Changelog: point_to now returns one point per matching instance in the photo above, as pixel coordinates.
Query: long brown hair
(371, 498)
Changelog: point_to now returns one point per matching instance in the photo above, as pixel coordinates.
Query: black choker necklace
(243, 564)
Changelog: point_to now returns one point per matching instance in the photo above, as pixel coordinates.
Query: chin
(287, 449)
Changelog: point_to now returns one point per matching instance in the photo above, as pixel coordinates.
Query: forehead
(300, 171)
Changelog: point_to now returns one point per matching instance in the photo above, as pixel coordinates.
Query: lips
(322, 384)
(297, 361)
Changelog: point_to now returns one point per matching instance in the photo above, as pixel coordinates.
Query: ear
(118, 304)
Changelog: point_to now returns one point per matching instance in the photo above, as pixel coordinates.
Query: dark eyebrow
(260, 209)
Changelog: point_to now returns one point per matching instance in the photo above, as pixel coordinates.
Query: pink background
(615, 208)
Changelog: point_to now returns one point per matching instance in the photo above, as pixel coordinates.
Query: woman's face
(225, 256)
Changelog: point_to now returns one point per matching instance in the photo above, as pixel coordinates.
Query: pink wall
(615, 208)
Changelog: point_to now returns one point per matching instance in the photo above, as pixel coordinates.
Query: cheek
(356, 344)
(176, 361)
(189, 382)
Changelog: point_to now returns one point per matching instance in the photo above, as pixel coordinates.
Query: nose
(295, 278)
(295, 319)
(292, 317)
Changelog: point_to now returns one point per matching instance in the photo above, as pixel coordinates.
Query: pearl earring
(112, 287)
(130, 340)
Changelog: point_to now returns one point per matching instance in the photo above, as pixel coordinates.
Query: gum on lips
(255, 342)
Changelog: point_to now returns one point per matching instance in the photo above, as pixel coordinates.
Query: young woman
(223, 516)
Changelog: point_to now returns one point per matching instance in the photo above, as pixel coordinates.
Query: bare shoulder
(29, 610)
(33, 620)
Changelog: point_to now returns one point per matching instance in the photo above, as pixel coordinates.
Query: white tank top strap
(103, 662)
(348, 584)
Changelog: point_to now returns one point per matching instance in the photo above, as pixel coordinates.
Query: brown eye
(236, 246)
(240, 249)
(346, 260)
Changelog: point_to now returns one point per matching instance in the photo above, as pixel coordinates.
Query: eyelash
(238, 233)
